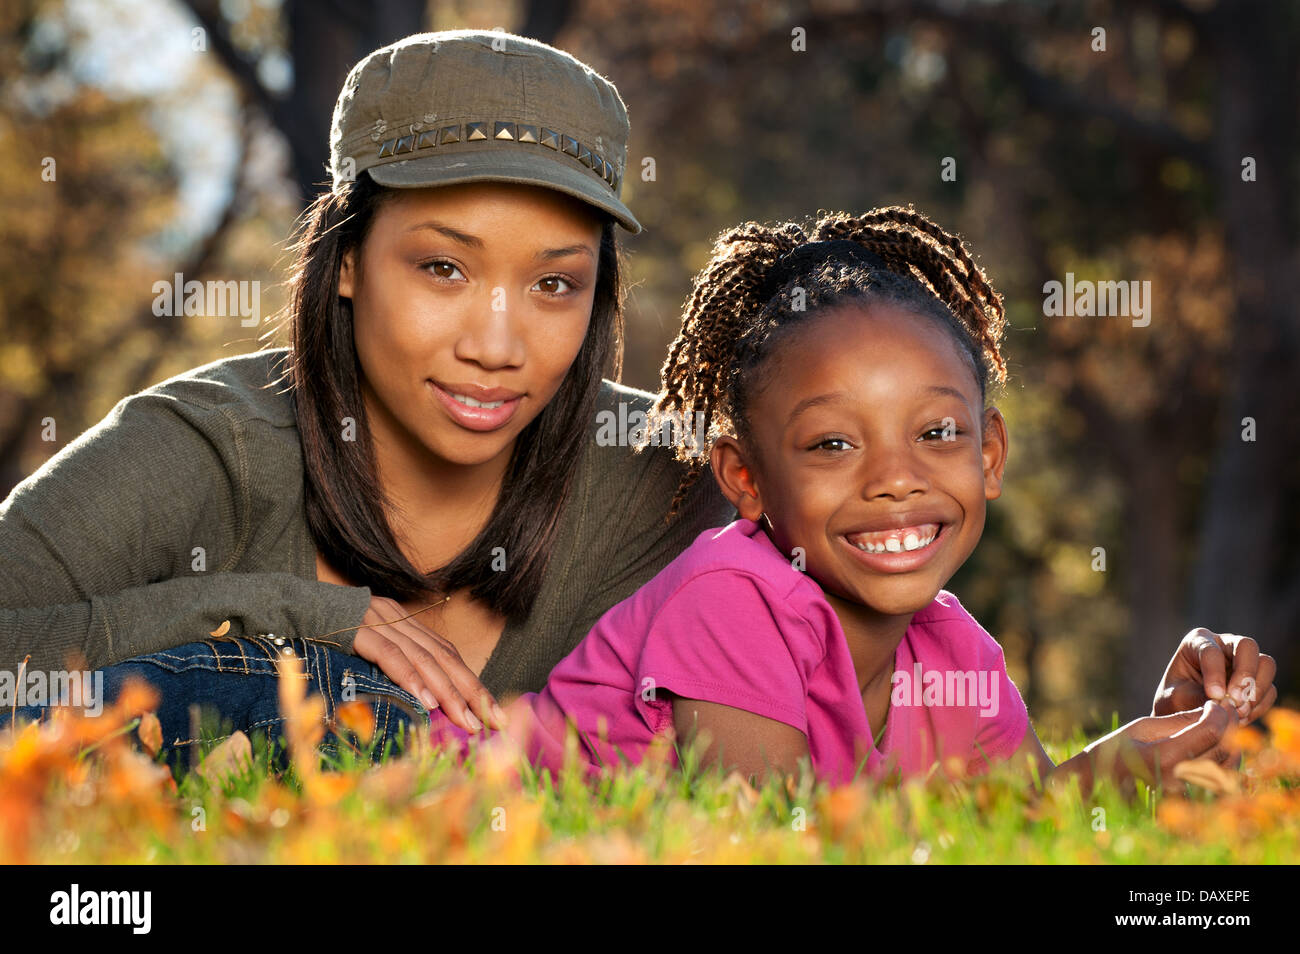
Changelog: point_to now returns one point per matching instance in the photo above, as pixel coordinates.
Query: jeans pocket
(349, 678)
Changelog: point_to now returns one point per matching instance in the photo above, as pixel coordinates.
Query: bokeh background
(187, 136)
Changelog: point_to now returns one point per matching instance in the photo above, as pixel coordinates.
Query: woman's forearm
(109, 629)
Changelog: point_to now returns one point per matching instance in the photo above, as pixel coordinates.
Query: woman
(416, 481)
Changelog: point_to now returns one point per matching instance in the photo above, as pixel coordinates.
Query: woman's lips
(488, 416)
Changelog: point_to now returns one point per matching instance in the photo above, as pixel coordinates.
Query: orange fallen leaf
(136, 697)
(358, 718)
(150, 732)
(1179, 816)
(1243, 738)
(232, 755)
(1284, 724)
(745, 795)
(1207, 774)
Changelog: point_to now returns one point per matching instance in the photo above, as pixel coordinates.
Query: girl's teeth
(470, 402)
(894, 545)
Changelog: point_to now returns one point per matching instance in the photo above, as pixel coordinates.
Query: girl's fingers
(1245, 665)
(1187, 694)
(1200, 738)
(1265, 674)
(1211, 661)
(1259, 708)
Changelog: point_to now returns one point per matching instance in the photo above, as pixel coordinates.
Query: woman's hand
(425, 665)
(1212, 666)
(1150, 747)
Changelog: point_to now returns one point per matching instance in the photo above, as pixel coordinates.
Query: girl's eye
(942, 432)
(444, 269)
(554, 285)
(824, 442)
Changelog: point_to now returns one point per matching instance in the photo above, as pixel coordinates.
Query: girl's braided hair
(756, 287)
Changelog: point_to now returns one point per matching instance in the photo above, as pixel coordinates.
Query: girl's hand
(1215, 667)
(1150, 747)
(425, 665)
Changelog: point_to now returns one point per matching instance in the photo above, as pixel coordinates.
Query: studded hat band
(507, 132)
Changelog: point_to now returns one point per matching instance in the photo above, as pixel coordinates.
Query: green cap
(475, 106)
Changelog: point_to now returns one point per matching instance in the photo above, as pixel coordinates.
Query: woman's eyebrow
(473, 241)
(551, 253)
(456, 235)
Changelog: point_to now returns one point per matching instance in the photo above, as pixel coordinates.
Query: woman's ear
(346, 273)
(735, 476)
(994, 451)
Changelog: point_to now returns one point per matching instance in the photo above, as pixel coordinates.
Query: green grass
(116, 805)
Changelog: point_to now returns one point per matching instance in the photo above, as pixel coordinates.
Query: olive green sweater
(184, 508)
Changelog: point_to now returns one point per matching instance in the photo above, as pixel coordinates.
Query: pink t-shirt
(731, 621)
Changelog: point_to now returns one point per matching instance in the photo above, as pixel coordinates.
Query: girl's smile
(905, 543)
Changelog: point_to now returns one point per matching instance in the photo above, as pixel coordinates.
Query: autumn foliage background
(1117, 164)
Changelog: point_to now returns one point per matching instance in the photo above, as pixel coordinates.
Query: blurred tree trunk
(1246, 567)
(325, 41)
(1246, 577)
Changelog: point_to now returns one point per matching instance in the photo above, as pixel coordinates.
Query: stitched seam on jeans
(390, 690)
(329, 680)
(196, 663)
(222, 738)
(215, 655)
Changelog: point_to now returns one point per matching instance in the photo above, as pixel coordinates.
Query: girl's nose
(491, 336)
(892, 472)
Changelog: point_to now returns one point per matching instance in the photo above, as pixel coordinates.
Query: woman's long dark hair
(346, 507)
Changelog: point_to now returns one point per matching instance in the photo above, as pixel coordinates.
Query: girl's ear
(735, 476)
(994, 450)
(346, 273)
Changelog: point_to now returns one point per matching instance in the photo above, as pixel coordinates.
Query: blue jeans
(235, 682)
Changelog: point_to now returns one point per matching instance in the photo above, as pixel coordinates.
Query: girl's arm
(738, 740)
(1146, 748)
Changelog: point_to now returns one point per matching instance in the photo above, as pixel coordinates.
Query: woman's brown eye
(555, 285)
(444, 269)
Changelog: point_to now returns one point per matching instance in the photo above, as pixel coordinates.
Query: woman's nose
(492, 335)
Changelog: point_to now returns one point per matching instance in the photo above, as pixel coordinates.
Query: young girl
(844, 374)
